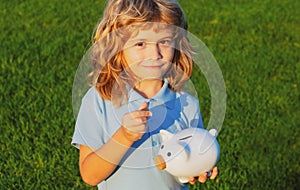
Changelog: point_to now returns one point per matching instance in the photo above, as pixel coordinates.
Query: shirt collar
(165, 96)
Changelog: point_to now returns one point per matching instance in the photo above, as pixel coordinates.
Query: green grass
(256, 44)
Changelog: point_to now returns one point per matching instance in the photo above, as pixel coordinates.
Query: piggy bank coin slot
(184, 138)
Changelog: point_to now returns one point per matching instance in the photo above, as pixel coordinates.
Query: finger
(139, 114)
(139, 128)
(143, 107)
(202, 177)
(214, 173)
(136, 125)
(192, 180)
(138, 120)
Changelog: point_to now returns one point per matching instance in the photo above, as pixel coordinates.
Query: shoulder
(93, 99)
(187, 98)
(90, 94)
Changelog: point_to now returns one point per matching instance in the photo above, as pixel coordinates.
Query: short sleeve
(89, 123)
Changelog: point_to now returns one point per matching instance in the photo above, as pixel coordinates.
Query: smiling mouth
(152, 66)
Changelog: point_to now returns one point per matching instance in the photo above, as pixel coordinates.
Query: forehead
(151, 35)
(151, 29)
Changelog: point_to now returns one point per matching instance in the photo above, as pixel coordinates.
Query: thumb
(143, 107)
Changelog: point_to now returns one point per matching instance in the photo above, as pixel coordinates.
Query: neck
(149, 88)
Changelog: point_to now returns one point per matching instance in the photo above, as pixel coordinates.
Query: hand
(202, 177)
(134, 124)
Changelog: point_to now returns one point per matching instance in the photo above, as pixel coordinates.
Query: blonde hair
(106, 55)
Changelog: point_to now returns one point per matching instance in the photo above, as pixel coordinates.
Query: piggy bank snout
(160, 162)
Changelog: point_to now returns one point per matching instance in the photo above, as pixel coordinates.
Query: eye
(162, 147)
(166, 42)
(169, 154)
(140, 44)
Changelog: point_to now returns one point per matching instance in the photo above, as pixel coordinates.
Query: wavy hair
(106, 53)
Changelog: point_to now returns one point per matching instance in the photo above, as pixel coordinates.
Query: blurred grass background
(256, 44)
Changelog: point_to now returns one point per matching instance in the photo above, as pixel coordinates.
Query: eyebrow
(145, 39)
(137, 40)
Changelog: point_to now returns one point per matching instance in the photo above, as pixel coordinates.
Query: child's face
(149, 54)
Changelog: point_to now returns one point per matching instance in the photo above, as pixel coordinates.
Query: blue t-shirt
(98, 120)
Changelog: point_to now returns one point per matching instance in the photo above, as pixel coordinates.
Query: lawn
(257, 46)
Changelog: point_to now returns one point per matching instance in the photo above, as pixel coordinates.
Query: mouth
(152, 65)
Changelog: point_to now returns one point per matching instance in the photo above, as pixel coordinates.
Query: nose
(160, 162)
(154, 51)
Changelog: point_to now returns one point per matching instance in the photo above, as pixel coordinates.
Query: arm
(97, 165)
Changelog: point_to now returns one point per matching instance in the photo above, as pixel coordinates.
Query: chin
(151, 77)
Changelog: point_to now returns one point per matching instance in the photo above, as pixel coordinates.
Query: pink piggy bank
(188, 153)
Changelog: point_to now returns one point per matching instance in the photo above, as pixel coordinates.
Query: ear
(213, 132)
(165, 135)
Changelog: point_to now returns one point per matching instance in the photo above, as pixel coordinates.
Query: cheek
(168, 55)
(131, 57)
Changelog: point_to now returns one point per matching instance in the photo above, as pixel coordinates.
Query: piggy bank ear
(213, 132)
(165, 135)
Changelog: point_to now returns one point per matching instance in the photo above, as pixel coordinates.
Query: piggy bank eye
(162, 147)
(169, 154)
